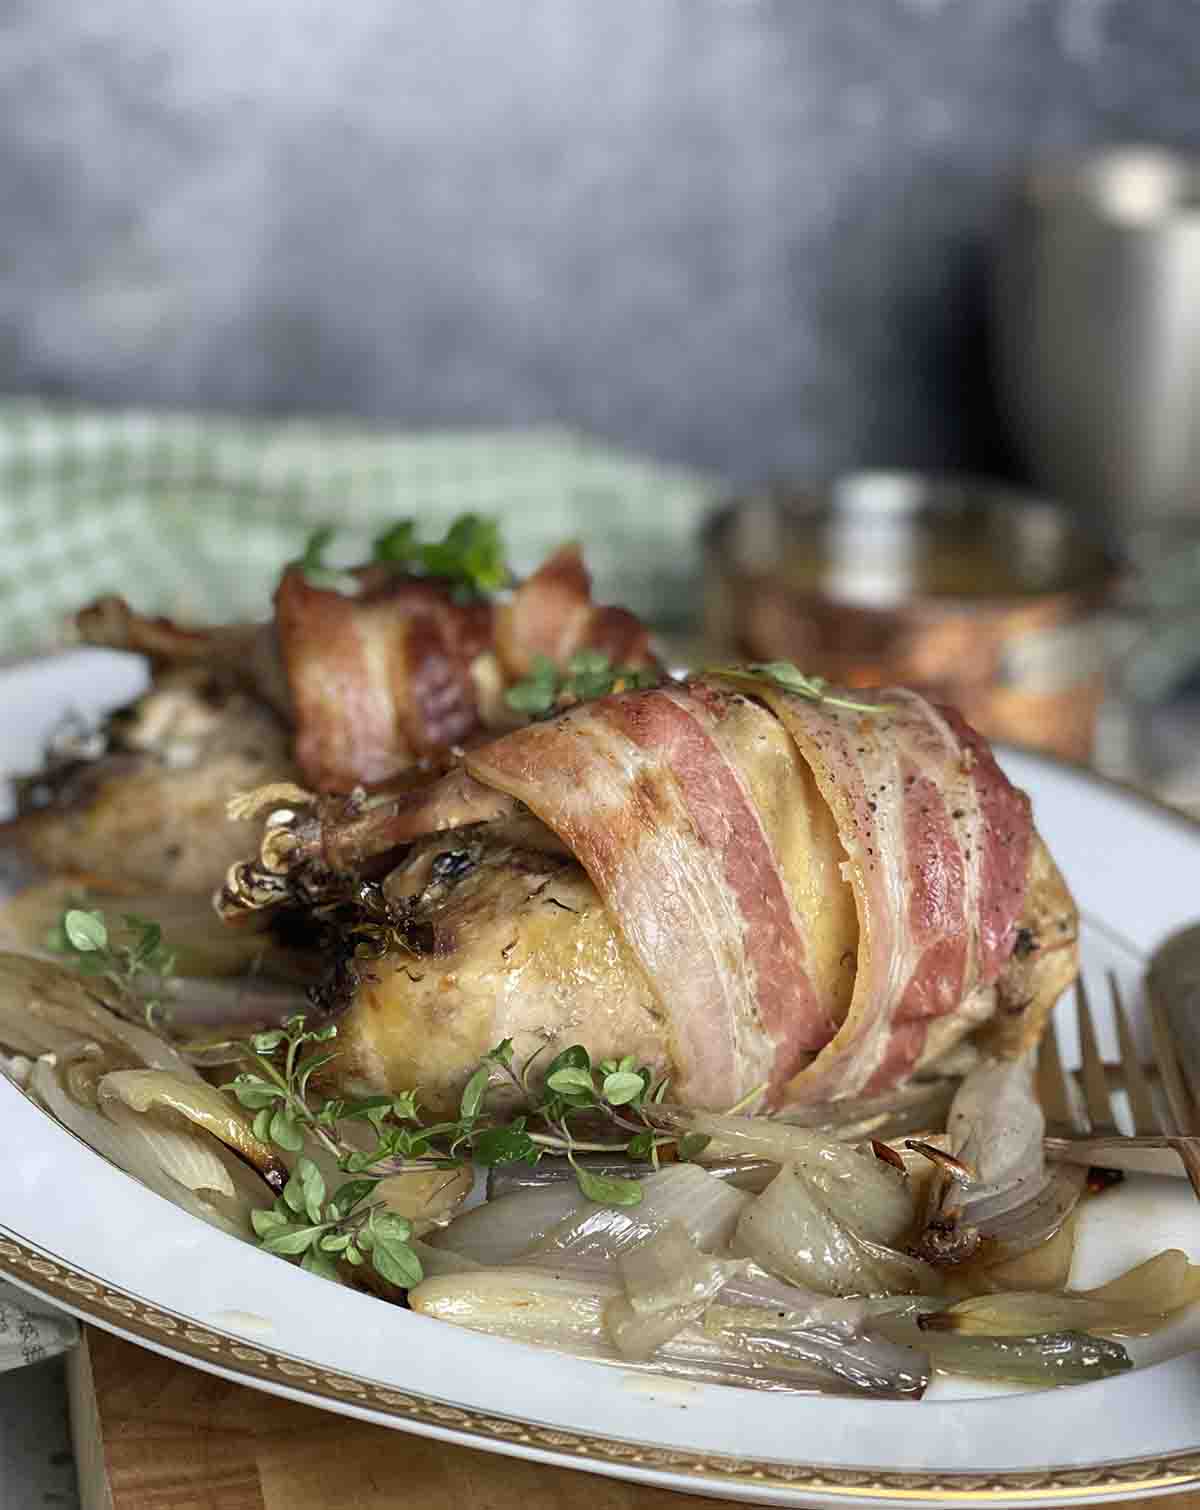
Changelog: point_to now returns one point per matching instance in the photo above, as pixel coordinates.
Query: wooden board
(155, 1435)
(151, 1434)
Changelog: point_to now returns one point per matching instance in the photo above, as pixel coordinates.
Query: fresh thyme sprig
(612, 1098)
(789, 676)
(128, 963)
(318, 1229)
(588, 674)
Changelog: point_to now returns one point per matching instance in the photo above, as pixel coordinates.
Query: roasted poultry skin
(344, 687)
(503, 934)
(147, 808)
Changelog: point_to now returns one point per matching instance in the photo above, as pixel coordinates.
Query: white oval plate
(80, 1232)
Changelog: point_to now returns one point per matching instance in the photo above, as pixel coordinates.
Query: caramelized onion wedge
(597, 1236)
(830, 1240)
(668, 1282)
(872, 1365)
(549, 1309)
(1138, 1302)
(669, 1270)
(46, 1008)
(1044, 1360)
(201, 1104)
(170, 1166)
(502, 1230)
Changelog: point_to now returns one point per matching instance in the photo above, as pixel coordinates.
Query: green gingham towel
(194, 516)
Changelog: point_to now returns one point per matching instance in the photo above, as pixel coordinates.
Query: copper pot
(978, 595)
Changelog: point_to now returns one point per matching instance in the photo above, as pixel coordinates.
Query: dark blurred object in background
(744, 234)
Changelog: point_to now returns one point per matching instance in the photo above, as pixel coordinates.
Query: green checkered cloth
(194, 516)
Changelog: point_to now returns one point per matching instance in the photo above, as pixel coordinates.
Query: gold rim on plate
(53, 1278)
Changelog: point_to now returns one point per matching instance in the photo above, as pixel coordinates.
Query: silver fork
(1090, 1134)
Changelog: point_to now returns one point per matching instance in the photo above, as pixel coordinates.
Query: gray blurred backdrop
(745, 234)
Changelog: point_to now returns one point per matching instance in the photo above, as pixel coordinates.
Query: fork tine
(1053, 1090)
(1178, 1102)
(1091, 1067)
(1137, 1087)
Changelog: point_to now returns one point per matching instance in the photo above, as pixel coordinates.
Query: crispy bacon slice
(380, 678)
(641, 789)
(552, 614)
(938, 844)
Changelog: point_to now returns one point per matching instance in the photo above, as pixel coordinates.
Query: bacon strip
(377, 679)
(938, 846)
(552, 614)
(639, 787)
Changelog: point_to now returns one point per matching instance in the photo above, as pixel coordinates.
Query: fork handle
(1143, 1155)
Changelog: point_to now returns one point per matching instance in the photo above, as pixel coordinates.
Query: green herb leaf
(589, 674)
(572, 1082)
(471, 556)
(623, 1087)
(285, 1131)
(640, 1145)
(265, 1221)
(398, 1264)
(148, 943)
(319, 1263)
(390, 1226)
(290, 1239)
(305, 1191)
(530, 698)
(309, 1066)
(576, 1057)
(255, 1092)
(85, 931)
(405, 1106)
(315, 547)
(474, 1092)
(267, 1043)
(501, 1054)
(397, 544)
(692, 1145)
(359, 1160)
(504, 1145)
(262, 1125)
(335, 1242)
(789, 676)
(346, 1197)
(607, 1189)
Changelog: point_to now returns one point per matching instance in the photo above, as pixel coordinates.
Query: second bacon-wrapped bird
(747, 879)
(359, 676)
